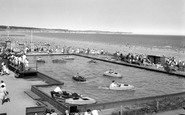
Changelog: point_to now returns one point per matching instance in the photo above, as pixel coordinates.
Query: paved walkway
(19, 100)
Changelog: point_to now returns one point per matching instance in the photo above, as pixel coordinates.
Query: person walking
(3, 94)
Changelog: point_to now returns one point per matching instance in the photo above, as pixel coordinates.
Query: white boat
(122, 87)
(112, 74)
(80, 101)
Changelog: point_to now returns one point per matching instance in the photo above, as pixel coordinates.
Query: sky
(137, 16)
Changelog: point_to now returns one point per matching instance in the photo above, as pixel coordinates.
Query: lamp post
(31, 39)
(8, 32)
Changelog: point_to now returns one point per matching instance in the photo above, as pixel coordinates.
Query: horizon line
(103, 31)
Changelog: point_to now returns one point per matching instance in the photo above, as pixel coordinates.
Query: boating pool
(147, 83)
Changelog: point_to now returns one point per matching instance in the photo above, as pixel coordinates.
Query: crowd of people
(176, 65)
(168, 64)
(20, 62)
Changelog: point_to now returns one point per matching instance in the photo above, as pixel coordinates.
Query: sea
(173, 42)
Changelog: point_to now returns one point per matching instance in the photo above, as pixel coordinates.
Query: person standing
(56, 91)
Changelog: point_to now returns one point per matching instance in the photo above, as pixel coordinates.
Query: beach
(21, 100)
(124, 48)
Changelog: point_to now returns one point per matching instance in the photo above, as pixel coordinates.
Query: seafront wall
(138, 106)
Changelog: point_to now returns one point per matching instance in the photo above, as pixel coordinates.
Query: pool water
(147, 83)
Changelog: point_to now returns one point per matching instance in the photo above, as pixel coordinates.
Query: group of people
(133, 58)
(141, 59)
(21, 62)
(3, 93)
(50, 112)
(177, 65)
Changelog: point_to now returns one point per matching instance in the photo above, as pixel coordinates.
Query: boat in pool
(112, 74)
(41, 61)
(79, 78)
(122, 87)
(92, 61)
(80, 101)
(59, 61)
(74, 98)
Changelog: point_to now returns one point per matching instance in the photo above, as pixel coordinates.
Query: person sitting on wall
(56, 91)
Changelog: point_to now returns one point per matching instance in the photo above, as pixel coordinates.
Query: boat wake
(103, 87)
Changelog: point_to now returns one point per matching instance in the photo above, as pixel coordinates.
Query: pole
(36, 66)
(157, 106)
(121, 109)
(31, 40)
(8, 32)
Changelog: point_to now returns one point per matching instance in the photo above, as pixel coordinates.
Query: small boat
(112, 74)
(79, 78)
(92, 61)
(68, 58)
(41, 61)
(80, 101)
(59, 61)
(66, 95)
(75, 98)
(122, 87)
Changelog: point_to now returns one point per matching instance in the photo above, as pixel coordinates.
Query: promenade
(19, 100)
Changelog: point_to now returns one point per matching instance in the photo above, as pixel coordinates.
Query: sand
(179, 55)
